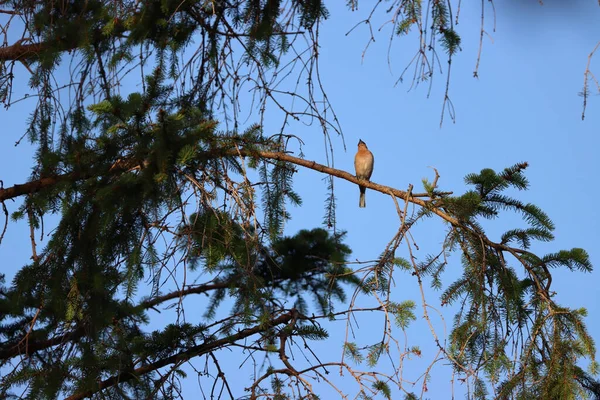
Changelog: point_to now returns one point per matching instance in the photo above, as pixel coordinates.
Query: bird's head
(361, 144)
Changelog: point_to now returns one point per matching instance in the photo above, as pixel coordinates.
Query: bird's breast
(363, 163)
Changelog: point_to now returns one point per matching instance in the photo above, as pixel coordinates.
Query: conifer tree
(164, 197)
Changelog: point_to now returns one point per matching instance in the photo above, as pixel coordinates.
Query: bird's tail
(362, 202)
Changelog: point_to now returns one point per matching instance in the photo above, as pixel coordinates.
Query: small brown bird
(363, 164)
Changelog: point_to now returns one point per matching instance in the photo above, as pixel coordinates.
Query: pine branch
(20, 51)
(153, 302)
(123, 166)
(13, 349)
(37, 185)
(46, 182)
(188, 354)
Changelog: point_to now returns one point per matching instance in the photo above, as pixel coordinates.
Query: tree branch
(185, 355)
(20, 51)
(13, 349)
(413, 198)
(43, 183)
(181, 293)
(37, 185)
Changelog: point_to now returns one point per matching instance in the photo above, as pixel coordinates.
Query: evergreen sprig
(497, 304)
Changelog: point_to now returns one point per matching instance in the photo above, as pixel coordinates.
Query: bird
(363, 164)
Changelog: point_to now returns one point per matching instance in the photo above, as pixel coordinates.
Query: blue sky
(524, 107)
